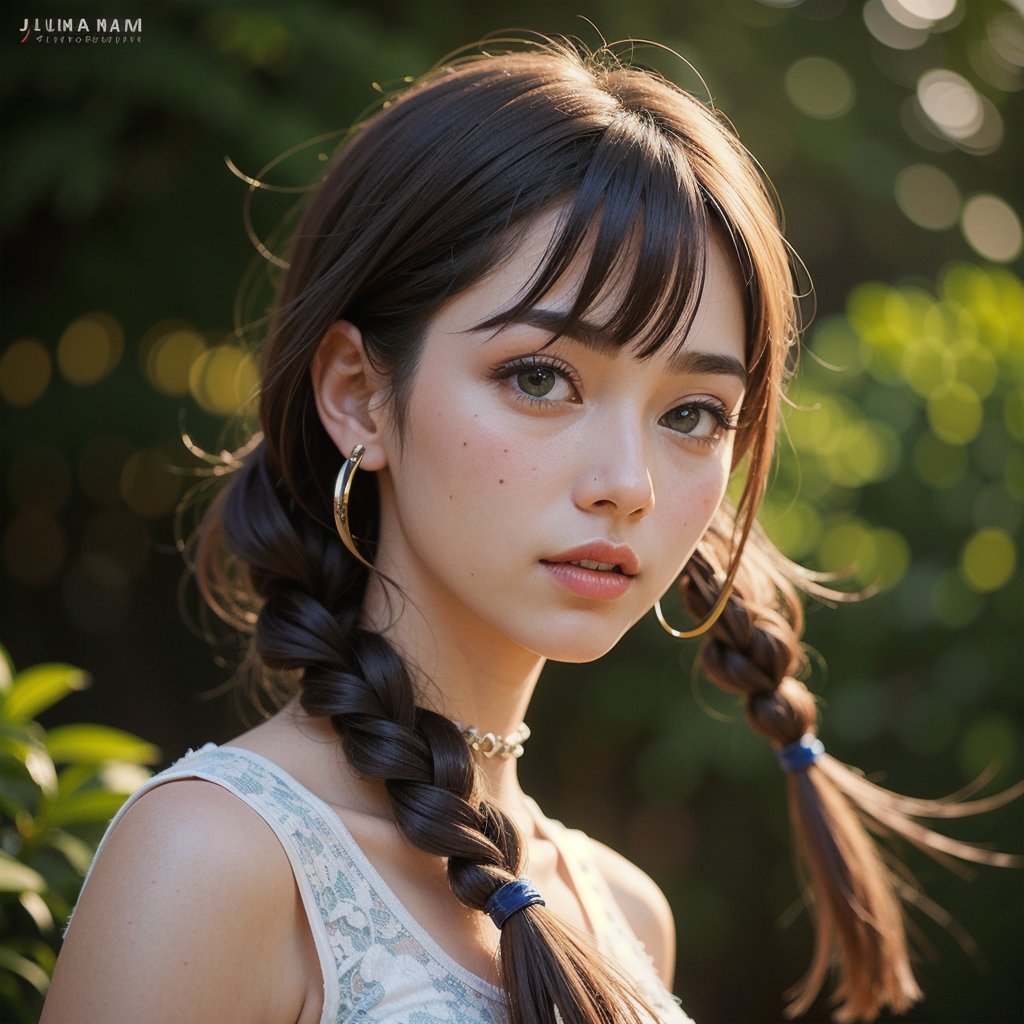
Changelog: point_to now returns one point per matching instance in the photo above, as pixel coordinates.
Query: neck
(464, 671)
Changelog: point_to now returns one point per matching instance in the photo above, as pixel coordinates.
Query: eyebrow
(685, 362)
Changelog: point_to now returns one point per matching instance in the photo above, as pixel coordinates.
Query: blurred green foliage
(890, 137)
(58, 787)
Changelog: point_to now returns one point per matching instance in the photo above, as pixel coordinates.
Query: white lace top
(379, 965)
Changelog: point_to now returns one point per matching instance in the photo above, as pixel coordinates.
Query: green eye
(537, 381)
(685, 419)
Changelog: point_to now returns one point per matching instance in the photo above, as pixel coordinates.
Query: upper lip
(603, 551)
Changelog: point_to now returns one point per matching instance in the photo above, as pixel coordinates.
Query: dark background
(124, 252)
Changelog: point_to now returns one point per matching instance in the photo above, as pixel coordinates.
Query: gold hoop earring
(689, 634)
(342, 486)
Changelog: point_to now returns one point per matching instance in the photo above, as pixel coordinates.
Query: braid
(308, 592)
(856, 896)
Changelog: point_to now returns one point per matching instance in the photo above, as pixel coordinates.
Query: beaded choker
(491, 745)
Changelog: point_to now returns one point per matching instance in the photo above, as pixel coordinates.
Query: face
(546, 495)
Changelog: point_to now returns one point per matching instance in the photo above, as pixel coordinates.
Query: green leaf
(73, 777)
(41, 686)
(17, 739)
(91, 744)
(35, 906)
(40, 767)
(25, 968)
(94, 806)
(6, 672)
(18, 877)
(77, 851)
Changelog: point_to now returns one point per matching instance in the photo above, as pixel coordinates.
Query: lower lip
(594, 583)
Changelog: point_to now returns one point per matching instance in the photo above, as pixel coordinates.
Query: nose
(616, 475)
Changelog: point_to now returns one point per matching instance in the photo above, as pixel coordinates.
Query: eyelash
(506, 371)
(718, 412)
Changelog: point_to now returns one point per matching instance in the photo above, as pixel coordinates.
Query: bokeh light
(920, 13)
(989, 135)
(797, 531)
(992, 228)
(1005, 34)
(874, 557)
(942, 413)
(954, 413)
(928, 197)
(819, 87)
(988, 559)
(990, 742)
(836, 346)
(953, 603)
(167, 353)
(149, 486)
(888, 31)
(90, 348)
(991, 67)
(951, 102)
(25, 371)
(223, 380)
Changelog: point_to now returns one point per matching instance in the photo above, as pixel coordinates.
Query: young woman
(535, 315)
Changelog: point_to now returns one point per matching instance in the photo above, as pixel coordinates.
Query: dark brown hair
(421, 201)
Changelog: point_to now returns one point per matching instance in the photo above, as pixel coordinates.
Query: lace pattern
(379, 965)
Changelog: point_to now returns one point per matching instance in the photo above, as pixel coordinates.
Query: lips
(599, 556)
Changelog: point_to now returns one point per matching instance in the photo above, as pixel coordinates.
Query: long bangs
(644, 219)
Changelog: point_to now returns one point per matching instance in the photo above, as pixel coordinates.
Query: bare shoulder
(191, 913)
(644, 905)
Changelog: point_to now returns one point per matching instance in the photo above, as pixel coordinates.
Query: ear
(349, 394)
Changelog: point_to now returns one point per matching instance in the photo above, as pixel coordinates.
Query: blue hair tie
(510, 898)
(805, 751)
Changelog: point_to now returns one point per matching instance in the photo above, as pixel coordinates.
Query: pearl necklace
(491, 745)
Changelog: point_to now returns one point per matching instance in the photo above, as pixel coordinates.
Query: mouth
(599, 556)
(585, 563)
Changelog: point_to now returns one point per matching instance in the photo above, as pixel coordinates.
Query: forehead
(718, 316)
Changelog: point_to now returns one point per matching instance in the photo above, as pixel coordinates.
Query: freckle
(505, 450)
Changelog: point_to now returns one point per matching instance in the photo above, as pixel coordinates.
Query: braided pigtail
(854, 889)
(307, 592)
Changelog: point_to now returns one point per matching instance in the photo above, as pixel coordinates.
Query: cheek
(695, 498)
(488, 465)
(472, 455)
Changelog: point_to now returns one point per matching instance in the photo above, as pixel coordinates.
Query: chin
(586, 644)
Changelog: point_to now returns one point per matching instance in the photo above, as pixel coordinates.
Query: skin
(500, 467)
